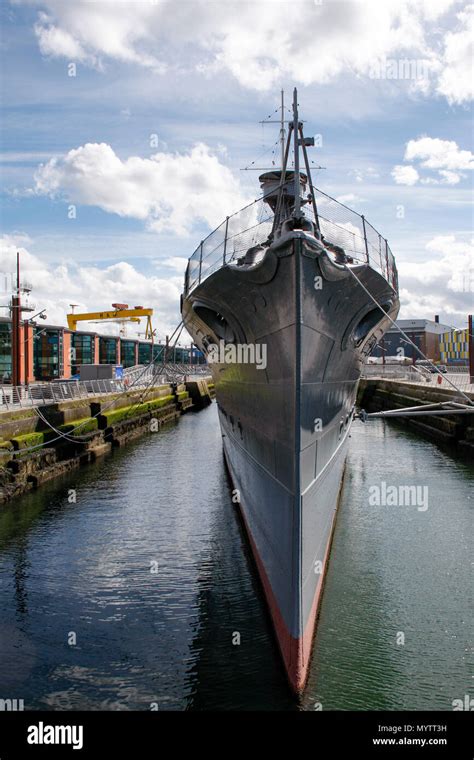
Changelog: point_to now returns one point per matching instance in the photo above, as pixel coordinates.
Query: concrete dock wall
(377, 395)
(201, 392)
(32, 453)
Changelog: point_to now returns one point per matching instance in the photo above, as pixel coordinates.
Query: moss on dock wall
(28, 440)
(36, 453)
(134, 410)
(23, 421)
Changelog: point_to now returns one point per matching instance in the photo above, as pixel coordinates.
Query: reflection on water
(150, 574)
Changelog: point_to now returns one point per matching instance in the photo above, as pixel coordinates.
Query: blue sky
(152, 77)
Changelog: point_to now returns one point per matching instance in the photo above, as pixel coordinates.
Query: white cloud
(405, 175)
(451, 178)
(446, 178)
(86, 31)
(176, 263)
(55, 287)
(365, 174)
(432, 9)
(434, 153)
(449, 245)
(167, 191)
(59, 43)
(261, 42)
(349, 198)
(456, 81)
(442, 283)
(443, 156)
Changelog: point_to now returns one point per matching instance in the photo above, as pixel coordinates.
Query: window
(47, 353)
(5, 352)
(127, 353)
(144, 353)
(83, 353)
(108, 350)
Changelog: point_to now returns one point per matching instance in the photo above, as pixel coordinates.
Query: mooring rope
(471, 403)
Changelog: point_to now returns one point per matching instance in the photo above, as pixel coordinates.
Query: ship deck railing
(252, 225)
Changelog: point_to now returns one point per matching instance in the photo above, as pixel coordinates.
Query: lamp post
(16, 310)
(16, 316)
(470, 346)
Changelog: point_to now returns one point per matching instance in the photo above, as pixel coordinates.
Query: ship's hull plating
(285, 425)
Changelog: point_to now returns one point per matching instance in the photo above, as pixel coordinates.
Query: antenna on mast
(296, 132)
(284, 189)
(282, 129)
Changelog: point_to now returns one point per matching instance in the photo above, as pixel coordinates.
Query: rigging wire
(272, 114)
(272, 148)
(470, 401)
(267, 150)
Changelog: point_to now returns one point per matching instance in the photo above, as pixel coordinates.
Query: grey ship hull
(285, 428)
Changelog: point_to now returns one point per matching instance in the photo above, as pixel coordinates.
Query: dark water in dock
(166, 637)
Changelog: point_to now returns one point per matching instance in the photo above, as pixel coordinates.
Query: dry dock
(41, 442)
(380, 394)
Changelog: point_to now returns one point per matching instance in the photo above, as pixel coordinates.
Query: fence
(253, 224)
(40, 394)
(420, 375)
(143, 374)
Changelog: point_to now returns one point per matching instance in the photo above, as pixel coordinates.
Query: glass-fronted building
(55, 352)
(128, 353)
(176, 354)
(158, 353)
(48, 354)
(144, 353)
(108, 350)
(83, 350)
(5, 352)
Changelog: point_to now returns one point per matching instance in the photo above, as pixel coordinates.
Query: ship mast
(300, 139)
(282, 129)
(276, 188)
(296, 132)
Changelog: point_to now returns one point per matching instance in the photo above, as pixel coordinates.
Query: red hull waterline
(295, 652)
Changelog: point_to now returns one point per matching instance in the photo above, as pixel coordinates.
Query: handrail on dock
(13, 397)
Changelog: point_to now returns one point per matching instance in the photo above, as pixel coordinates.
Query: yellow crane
(120, 311)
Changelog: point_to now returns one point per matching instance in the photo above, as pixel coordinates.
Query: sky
(126, 127)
